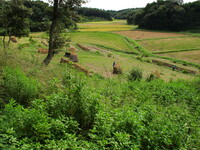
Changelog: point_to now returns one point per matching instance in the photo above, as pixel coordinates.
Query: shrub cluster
(135, 74)
(17, 85)
(114, 115)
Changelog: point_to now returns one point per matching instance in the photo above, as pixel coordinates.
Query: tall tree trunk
(4, 44)
(4, 40)
(51, 34)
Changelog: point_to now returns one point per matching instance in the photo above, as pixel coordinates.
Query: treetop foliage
(14, 18)
(167, 15)
(94, 12)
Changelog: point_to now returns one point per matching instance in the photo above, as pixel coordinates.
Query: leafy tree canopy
(167, 15)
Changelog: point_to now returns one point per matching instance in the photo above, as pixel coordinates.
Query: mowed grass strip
(186, 43)
(192, 56)
(102, 38)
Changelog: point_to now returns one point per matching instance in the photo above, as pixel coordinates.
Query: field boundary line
(179, 61)
(175, 51)
(164, 38)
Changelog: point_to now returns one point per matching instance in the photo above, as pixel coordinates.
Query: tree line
(121, 14)
(167, 15)
(94, 13)
(39, 15)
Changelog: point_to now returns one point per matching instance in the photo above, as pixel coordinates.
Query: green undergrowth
(82, 112)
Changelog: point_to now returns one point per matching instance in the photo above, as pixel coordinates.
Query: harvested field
(42, 50)
(138, 35)
(76, 66)
(104, 66)
(186, 43)
(85, 48)
(192, 56)
(94, 49)
(105, 26)
(106, 29)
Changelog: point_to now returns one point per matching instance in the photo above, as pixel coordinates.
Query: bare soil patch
(138, 35)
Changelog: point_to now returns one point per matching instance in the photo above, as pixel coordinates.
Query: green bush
(18, 86)
(32, 41)
(77, 101)
(24, 45)
(30, 123)
(135, 74)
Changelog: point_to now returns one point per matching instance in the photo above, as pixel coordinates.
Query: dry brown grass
(73, 57)
(117, 69)
(44, 43)
(72, 49)
(42, 50)
(75, 66)
(83, 47)
(156, 74)
(13, 39)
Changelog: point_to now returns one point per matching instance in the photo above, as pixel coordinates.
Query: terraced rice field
(139, 35)
(102, 64)
(105, 26)
(110, 40)
(183, 43)
(192, 56)
(104, 43)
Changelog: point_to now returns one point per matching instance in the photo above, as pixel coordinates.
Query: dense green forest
(167, 15)
(121, 14)
(93, 14)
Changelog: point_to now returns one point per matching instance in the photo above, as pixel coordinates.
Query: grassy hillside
(59, 107)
